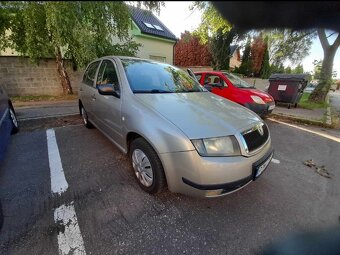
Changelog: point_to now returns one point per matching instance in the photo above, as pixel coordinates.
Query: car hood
(201, 114)
(261, 94)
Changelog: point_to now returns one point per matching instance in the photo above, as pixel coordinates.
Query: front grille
(254, 139)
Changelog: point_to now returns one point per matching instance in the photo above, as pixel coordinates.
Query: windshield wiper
(152, 91)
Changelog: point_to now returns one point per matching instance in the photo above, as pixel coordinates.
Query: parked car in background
(8, 121)
(310, 88)
(232, 87)
(175, 132)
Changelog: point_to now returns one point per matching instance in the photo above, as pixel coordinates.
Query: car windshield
(153, 77)
(236, 81)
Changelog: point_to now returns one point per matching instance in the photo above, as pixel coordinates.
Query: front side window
(107, 75)
(214, 79)
(236, 81)
(152, 77)
(90, 73)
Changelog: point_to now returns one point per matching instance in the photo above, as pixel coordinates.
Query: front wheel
(14, 120)
(147, 166)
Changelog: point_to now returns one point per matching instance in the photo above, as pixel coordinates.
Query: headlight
(257, 100)
(220, 146)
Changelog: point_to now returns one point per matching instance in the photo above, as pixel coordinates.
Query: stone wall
(20, 77)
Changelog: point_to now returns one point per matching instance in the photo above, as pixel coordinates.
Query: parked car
(175, 132)
(232, 87)
(8, 121)
(310, 88)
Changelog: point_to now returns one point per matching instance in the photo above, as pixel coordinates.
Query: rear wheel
(147, 166)
(85, 118)
(14, 120)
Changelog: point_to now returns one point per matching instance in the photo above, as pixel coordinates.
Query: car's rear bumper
(261, 109)
(189, 173)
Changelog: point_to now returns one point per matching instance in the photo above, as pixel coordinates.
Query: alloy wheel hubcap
(14, 119)
(142, 166)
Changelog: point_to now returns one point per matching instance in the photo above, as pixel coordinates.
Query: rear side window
(90, 73)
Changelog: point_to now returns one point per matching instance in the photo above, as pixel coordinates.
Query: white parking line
(275, 161)
(58, 181)
(307, 130)
(70, 240)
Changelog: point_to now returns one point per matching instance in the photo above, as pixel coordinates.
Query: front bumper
(261, 109)
(190, 174)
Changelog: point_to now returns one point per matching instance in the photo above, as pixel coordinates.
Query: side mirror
(208, 87)
(107, 90)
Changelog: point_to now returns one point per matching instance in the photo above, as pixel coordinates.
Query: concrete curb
(300, 120)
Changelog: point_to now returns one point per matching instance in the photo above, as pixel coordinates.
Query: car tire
(85, 118)
(14, 120)
(147, 166)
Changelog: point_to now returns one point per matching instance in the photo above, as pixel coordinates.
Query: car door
(107, 108)
(87, 89)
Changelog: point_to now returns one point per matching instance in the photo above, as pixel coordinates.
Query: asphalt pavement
(116, 217)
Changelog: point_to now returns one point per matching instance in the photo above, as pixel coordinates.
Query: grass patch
(304, 103)
(18, 99)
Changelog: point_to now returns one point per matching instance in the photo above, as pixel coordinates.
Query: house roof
(142, 18)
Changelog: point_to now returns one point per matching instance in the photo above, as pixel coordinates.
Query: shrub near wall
(20, 77)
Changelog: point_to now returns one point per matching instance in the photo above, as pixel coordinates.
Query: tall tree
(325, 79)
(76, 30)
(298, 69)
(245, 67)
(212, 21)
(265, 68)
(220, 48)
(189, 51)
(257, 50)
(286, 44)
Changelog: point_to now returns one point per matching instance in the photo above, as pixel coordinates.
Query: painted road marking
(275, 161)
(70, 240)
(333, 138)
(58, 181)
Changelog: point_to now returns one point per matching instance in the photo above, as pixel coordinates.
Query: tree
(257, 52)
(298, 69)
(245, 67)
(212, 21)
(75, 30)
(220, 48)
(265, 68)
(325, 79)
(189, 51)
(287, 44)
(218, 31)
(288, 70)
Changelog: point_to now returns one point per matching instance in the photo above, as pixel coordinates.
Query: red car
(235, 89)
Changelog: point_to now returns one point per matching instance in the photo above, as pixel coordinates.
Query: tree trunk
(320, 92)
(65, 80)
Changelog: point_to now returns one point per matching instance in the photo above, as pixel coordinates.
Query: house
(157, 40)
(235, 59)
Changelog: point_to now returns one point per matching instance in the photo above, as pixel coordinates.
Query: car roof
(212, 72)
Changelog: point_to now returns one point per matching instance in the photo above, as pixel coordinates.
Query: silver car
(176, 133)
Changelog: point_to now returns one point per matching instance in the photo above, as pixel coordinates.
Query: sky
(178, 18)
